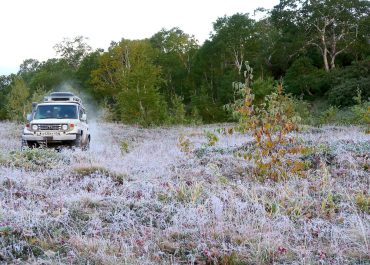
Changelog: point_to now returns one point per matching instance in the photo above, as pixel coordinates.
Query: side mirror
(83, 117)
(34, 105)
(29, 117)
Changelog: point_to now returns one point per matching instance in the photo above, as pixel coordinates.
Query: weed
(271, 207)
(163, 197)
(329, 116)
(89, 170)
(184, 144)
(223, 180)
(363, 202)
(124, 147)
(231, 259)
(329, 205)
(188, 193)
(212, 139)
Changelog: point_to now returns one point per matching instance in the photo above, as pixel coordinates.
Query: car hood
(54, 121)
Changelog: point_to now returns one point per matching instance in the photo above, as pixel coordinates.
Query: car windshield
(56, 112)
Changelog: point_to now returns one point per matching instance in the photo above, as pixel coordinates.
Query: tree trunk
(332, 63)
(324, 49)
(325, 57)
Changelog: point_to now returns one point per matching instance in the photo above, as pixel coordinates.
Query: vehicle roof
(58, 103)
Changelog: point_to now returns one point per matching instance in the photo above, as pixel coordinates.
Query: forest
(318, 50)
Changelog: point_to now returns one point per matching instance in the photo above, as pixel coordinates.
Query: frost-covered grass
(136, 198)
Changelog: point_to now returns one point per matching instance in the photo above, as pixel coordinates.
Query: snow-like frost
(135, 198)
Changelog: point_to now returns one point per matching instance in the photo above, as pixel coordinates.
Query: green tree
(177, 110)
(51, 74)
(106, 78)
(213, 73)
(237, 36)
(303, 78)
(262, 87)
(86, 67)
(268, 56)
(177, 52)
(28, 68)
(206, 108)
(5, 85)
(329, 25)
(73, 50)
(143, 105)
(129, 79)
(17, 100)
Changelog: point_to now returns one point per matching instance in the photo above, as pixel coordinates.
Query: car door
(84, 126)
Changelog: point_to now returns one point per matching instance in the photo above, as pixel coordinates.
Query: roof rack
(63, 97)
(61, 94)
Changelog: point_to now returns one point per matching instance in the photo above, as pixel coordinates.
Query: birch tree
(329, 25)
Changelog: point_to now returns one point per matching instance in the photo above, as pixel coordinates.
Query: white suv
(59, 120)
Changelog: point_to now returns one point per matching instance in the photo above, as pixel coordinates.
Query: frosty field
(136, 198)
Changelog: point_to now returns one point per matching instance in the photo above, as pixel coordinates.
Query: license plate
(46, 133)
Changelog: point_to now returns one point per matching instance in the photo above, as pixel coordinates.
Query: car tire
(28, 144)
(87, 145)
(77, 142)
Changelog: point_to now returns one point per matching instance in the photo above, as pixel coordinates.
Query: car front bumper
(49, 138)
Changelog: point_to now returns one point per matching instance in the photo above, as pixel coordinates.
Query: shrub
(270, 124)
(89, 170)
(206, 107)
(303, 78)
(195, 117)
(343, 94)
(346, 81)
(329, 116)
(177, 110)
(302, 108)
(361, 111)
(35, 159)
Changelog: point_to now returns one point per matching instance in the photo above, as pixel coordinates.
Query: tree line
(320, 49)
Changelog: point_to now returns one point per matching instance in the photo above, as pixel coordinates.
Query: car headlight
(34, 127)
(64, 127)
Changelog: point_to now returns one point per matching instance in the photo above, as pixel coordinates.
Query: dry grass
(151, 203)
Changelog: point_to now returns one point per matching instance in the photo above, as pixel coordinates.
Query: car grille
(50, 127)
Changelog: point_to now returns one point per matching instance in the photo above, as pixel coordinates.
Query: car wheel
(24, 145)
(87, 145)
(77, 143)
(28, 144)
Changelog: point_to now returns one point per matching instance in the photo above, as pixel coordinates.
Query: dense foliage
(319, 48)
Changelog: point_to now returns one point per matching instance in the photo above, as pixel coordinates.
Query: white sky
(30, 28)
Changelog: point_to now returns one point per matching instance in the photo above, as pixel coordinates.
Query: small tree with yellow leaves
(270, 123)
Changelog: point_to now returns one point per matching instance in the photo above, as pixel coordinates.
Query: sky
(30, 29)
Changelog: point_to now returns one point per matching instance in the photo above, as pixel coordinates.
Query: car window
(81, 112)
(56, 112)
